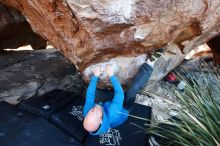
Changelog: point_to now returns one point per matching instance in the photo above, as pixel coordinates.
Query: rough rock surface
(15, 31)
(162, 98)
(33, 73)
(95, 31)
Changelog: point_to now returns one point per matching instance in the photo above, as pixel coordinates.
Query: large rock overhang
(92, 32)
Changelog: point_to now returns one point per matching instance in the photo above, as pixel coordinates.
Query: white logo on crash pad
(46, 107)
(77, 111)
(111, 138)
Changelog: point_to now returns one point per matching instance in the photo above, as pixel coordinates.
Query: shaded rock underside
(15, 31)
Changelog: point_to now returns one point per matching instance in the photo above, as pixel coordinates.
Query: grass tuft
(198, 123)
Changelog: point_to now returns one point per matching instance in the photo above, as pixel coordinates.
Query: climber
(99, 118)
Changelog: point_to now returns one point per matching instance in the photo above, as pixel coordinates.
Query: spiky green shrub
(198, 123)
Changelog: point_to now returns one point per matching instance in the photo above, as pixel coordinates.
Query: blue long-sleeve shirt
(114, 113)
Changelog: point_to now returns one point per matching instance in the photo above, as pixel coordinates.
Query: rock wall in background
(26, 74)
(15, 31)
(89, 32)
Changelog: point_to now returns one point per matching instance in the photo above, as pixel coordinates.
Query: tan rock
(96, 31)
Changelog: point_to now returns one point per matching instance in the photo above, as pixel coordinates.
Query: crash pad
(70, 119)
(46, 104)
(19, 128)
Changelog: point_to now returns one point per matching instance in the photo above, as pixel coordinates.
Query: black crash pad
(46, 104)
(131, 133)
(18, 128)
(70, 119)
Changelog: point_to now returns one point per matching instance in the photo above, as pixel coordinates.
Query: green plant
(198, 123)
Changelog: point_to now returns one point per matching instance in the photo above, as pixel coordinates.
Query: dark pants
(138, 82)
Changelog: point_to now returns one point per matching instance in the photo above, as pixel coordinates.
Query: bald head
(93, 119)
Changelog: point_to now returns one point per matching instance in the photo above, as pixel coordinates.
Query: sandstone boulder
(89, 32)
